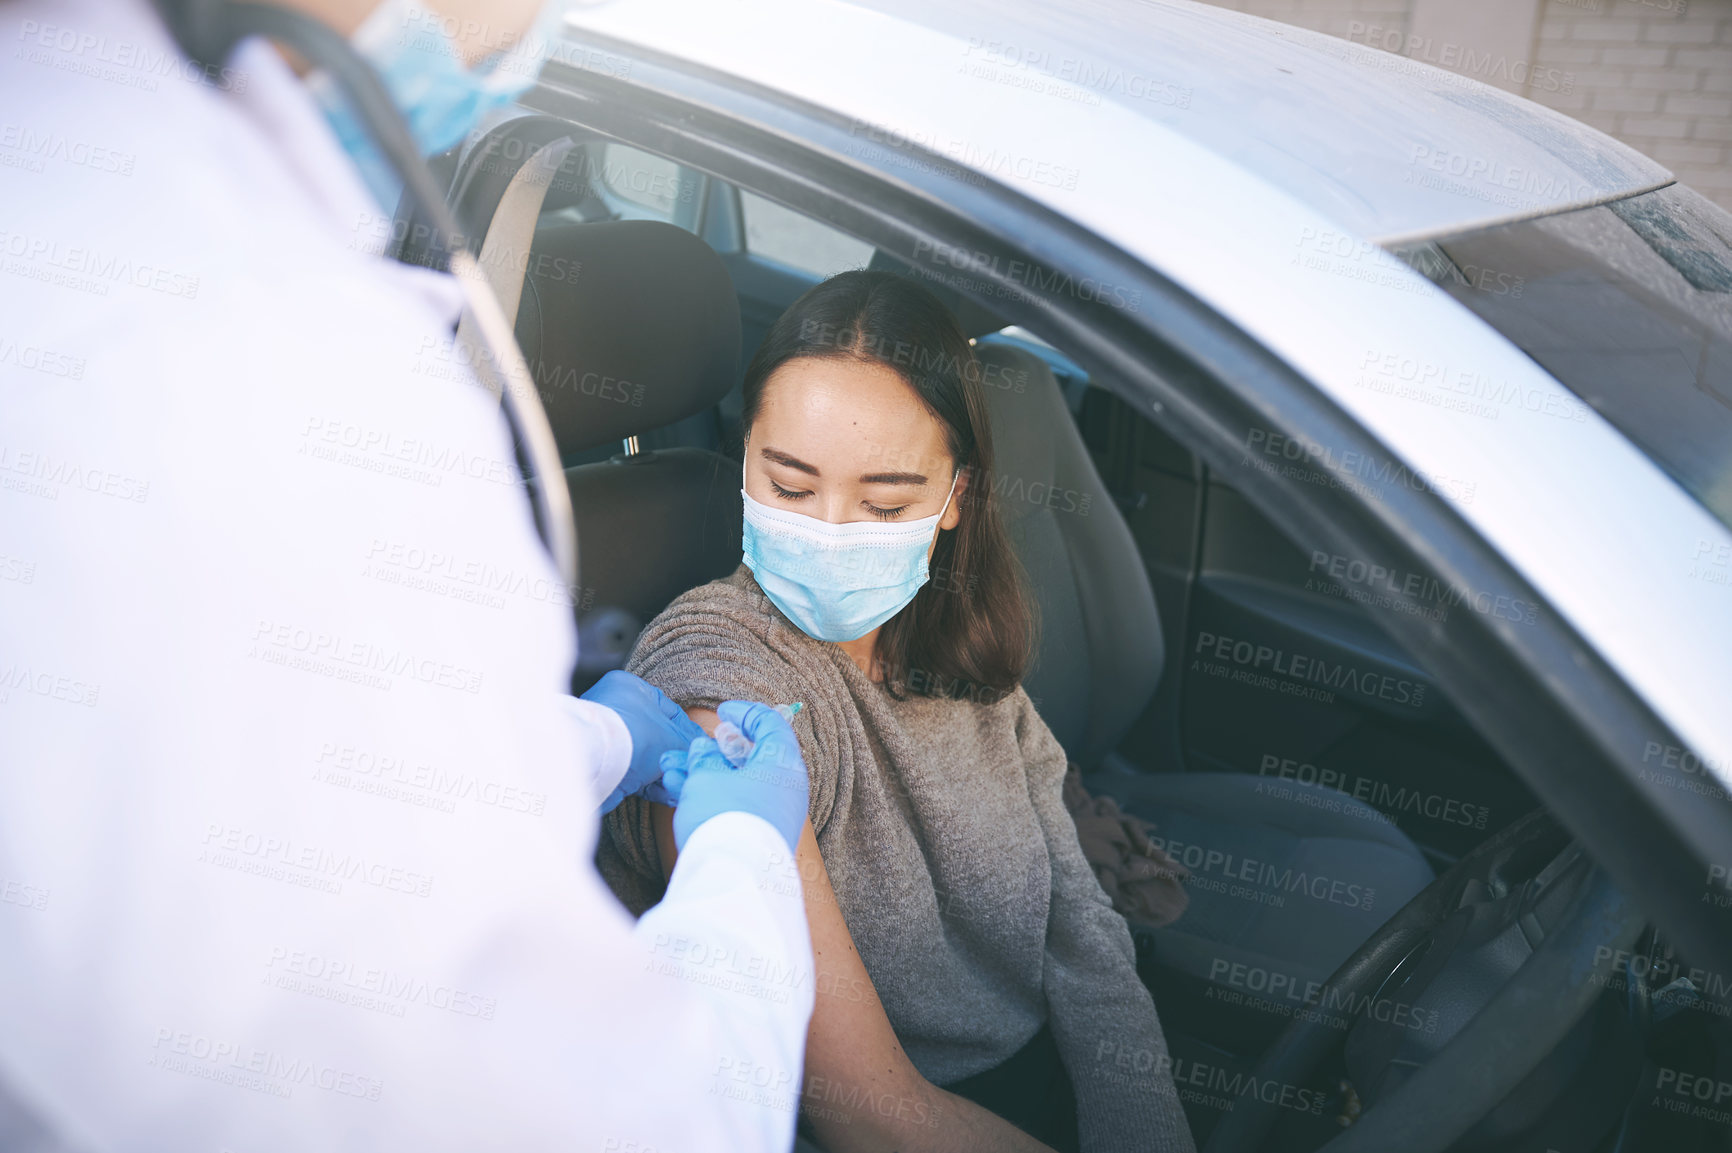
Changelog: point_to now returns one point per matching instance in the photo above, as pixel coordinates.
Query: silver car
(1367, 435)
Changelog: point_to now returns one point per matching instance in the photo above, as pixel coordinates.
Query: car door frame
(1557, 712)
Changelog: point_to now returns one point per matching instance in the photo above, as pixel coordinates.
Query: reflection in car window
(1629, 306)
(787, 237)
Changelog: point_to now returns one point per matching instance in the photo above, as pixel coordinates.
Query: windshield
(1629, 306)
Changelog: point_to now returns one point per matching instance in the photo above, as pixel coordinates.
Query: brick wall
(1660, 81)
(1335, 17)
(1656, 74)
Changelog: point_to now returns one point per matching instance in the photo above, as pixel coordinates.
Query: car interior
(1306, 819)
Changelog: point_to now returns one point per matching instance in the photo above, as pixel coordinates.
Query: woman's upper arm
(851, 1043)
(851, 1040)
(853, 1059)
(849, 1022)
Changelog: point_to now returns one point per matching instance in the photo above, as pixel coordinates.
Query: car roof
(1389, 148)
(1242, 215)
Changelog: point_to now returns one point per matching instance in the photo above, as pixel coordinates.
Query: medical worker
(296, 819)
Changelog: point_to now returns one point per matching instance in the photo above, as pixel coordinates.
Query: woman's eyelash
(796, 494)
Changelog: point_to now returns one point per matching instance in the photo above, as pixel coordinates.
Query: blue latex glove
(656, 725)
(771, 784)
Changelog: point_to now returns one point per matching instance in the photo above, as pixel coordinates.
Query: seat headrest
(975, 320)
(1101, 651)
(627, 325)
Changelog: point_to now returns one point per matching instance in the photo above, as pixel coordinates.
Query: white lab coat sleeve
(728, 961)
(729, 945)
(602, 732)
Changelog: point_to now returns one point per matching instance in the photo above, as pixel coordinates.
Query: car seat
(1099, 661)
(645, 332)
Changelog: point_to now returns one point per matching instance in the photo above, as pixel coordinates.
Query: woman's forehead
(854, 416)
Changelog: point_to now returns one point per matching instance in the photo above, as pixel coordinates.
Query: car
(1366, 433)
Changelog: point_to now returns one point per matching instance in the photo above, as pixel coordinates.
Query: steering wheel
(1511, 1032)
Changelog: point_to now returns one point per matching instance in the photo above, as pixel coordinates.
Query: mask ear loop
(954, 477)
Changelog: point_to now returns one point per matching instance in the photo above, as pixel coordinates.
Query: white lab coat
(295, 827)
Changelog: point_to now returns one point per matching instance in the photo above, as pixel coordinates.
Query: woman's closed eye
(803, 493)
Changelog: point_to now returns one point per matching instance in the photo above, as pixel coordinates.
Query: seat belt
(504, 259)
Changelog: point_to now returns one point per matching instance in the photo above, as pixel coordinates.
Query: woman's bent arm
(859, 1091)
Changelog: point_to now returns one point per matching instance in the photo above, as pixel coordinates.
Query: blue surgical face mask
(441, 97)
(837, 582)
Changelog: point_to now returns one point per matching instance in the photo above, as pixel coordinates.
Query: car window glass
(1627, 305)
(798, 241)
(640, 185)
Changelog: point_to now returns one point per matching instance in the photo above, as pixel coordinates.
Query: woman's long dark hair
(969, 631)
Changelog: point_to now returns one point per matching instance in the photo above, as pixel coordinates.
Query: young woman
(970, 968)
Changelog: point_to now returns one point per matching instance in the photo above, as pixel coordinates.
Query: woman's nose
(835, 508)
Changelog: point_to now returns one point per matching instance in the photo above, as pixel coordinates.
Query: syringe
(736, 746)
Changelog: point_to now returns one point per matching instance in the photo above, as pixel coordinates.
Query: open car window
(639, 185)
(787, 237)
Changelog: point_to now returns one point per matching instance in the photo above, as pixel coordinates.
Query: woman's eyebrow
(893, 478)
(793, 462)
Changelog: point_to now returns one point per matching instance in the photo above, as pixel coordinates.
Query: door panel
(1286, 674)
(1156, 484)
(1276, 664)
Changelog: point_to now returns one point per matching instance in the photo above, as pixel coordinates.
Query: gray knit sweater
(955, 863)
